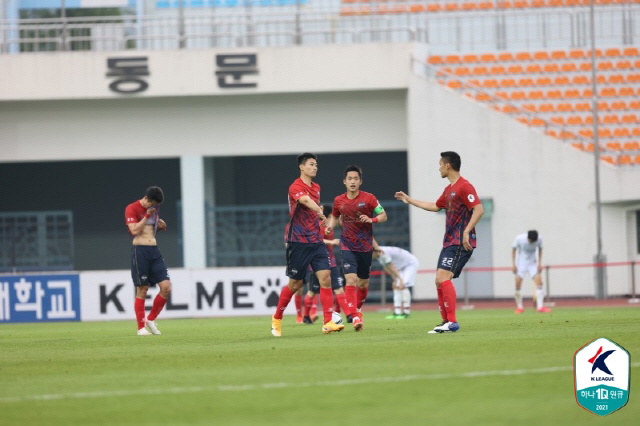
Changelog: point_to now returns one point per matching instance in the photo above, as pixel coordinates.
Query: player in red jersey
(305, 246)
(356, 208)
(147, 264)
(464, 210)
(336, 278)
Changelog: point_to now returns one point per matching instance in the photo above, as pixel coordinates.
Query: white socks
(539, 297)
(519, 299)
(406, 300)
(397, 302)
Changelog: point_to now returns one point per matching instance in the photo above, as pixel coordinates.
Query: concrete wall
(535, 182)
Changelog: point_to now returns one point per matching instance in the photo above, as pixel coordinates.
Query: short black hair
(154, 193)
(452, 158)
(302, 158)
(532, 235)
(353, 168)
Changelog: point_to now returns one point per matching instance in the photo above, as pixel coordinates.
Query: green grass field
(499, 369)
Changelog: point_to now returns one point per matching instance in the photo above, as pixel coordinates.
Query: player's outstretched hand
(162, 225)
(402, 197)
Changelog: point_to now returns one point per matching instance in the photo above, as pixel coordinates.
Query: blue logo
(598, 362)
(39, 298)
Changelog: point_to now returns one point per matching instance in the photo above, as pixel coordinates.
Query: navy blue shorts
(301, 255)
(453, 258)
(147, 266)
(337, 281)
(356, 262)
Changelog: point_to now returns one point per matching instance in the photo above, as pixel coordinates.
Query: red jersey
(329, 236)
(458, 199)
(356, 236)
(303, 227)
(136, 211)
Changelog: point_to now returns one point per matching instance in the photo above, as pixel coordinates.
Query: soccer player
(305, 246)
(147, 264)
(356, 210)
(403, 268)
(464, 210)
(526, 255)
(336, 278)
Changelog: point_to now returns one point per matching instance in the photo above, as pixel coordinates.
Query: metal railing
(254, 235)
(493, 29)
(36, 241)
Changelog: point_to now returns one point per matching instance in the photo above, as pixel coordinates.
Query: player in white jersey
(526, 254)
(403, 268)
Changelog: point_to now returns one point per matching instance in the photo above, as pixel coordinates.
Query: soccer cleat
(434, 331)
(299, 319)
(519, 310)
(314, 318)
(152, 326)
(544, 309)
(349, 319)
(307, 320)
(357, 323)
(276, 327)
(447, 327)
(143, 332)
(331, 326)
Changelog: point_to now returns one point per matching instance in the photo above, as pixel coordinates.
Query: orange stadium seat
(551, 68)
(570, 67)
(577, 54)
(603, 106)
(587, 133)
(534, 69)
(461, 71)
(434, 7)
(554, 94)
(585, 66)
(505, 57)
(474, 82)
(631, 146)
(540, 56)
(551, 132)
(614, 146)
(635, 132)
(483, 97)
(515, 69)
(612, 52)
(626, 91)
(502, 95)
(636, 160)
(618, 106)
(481, 70)
(625, 160)
(610, 119)
(546, 108)
(605, 66)
(631, 51)
(558, 120)
(509, 109)
(537, 122)
(608, 92)
(582, 107)
(633, 78)
(470, 58)
(574, 120)
(488, 57)
(507, 82)
(588, 120)
(452, 59)
(523, 56)
(532, 107)
(497, 69)
(561, 81)
(543, 81)
(535, 94)
(454, 84)
(484, 5)
(558, 55)
(469, 6)
(517, 95)
(521, 4)
(571, 93)
(634, 105)
(624, 65)
(621, 132)
(525, 82)
(416, 8)
(451, 7)
(490, 83)
(565, 107)
(587, 93)
(580, 79)
(616, 79)
(629, 119)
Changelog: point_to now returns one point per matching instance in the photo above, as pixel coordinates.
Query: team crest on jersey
(453, 194)
(471, 198)
(360, 204)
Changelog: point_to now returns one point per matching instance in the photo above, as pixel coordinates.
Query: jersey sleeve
(469, 196)
(515, 243)
(384, 260)
(336, 207)
(442, 203)
(130, 215)
(296, 191)
(373, 205)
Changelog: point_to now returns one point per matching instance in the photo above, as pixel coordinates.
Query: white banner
(109, 295)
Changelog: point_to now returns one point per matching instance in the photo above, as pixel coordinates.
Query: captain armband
(378, 209)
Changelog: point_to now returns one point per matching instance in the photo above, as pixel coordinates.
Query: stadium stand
(553, 89)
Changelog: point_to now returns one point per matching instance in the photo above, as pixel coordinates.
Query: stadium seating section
(371, 7)
(553, 90)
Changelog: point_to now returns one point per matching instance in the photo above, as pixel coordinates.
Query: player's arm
(306, 201)
(513, 259)
(333, 242)
(162, 225)
(478, 211)
(539, 259)
(424, 205)
(136, 227)
(381, 215)
(397, 278)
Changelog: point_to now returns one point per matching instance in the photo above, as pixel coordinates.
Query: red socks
(362, 295)
(283, 302)
(449, 297)
(341, 302)
(298, 301)
(138, 307)
(326, 298)
(443, 311)
(350, 295)
(314, 305)
(158, 304)
(307, 305)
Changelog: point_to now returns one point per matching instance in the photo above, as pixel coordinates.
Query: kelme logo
(601, 376)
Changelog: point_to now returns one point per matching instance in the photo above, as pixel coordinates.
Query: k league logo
(601, 374)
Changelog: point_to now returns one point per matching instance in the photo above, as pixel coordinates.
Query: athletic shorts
(524, 267)
(301, 255)
(453, 258)
(356, 262)
(337, 281)
(147, 266)
(408, 274)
